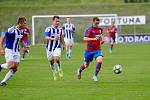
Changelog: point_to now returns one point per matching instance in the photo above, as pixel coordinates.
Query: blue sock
(111, 48)
(97, 69)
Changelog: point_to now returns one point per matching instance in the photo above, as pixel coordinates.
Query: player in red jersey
(93, 37)
(112, 30)
(26, 32)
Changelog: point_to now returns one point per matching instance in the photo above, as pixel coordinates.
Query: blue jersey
(53, 32)
(68, 30)
(13, 37)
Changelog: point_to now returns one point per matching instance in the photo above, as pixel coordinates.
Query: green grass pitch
(34, 81)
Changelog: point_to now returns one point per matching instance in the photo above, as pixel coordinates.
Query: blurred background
(11, 9)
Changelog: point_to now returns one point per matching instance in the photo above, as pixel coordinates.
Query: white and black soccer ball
(117, 69)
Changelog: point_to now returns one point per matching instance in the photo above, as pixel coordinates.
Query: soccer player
(26, 32)
(54, 36)
(93, 37)
(12, 55)
(112, 30)
(69, 29)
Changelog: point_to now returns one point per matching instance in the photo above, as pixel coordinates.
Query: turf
(34, 81)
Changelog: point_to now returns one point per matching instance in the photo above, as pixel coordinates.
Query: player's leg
(70, 47)
(51, 61)
(28, 47)
(67, 48)
(58, 66)
(23, 53)
(12, 59)
(3, 66)
(57, 55)
(111, 45)
(25, 50)
(87, 58)
(53, 69)
(67, 51)
(97, 68)
(81, 68)
(99, 58)
(12, 69)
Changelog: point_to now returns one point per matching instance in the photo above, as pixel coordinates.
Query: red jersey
(111, 31)
(91, 32)
(26, 32)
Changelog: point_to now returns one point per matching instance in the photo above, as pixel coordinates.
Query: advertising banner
(131, 38)
(123, 20)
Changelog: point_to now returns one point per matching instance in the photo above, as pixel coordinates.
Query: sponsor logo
(139, 38)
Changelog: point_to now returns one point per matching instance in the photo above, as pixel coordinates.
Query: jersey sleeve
(11, 30)
(27, 30)
(87, 32)
(47, 32)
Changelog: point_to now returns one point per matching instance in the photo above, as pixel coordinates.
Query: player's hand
(56, 38)
(97, 37)
(102, 42)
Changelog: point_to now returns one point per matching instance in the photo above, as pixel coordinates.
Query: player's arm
(62, 40)
(73, 29)
(102, 37)
(29, 33)
(2, 38)
(63, 27)
(87, 38)
(108, 30)
(2, 51)
(49, 38)
(22, 43)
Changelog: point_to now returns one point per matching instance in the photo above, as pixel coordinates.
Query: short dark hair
(96, 19)
(21, 19)
(55, 17)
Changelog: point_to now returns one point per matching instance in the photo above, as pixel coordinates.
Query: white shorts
(51, 54)
(10, 55)
(69, 42)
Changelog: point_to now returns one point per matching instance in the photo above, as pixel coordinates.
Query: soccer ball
(117, 69)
